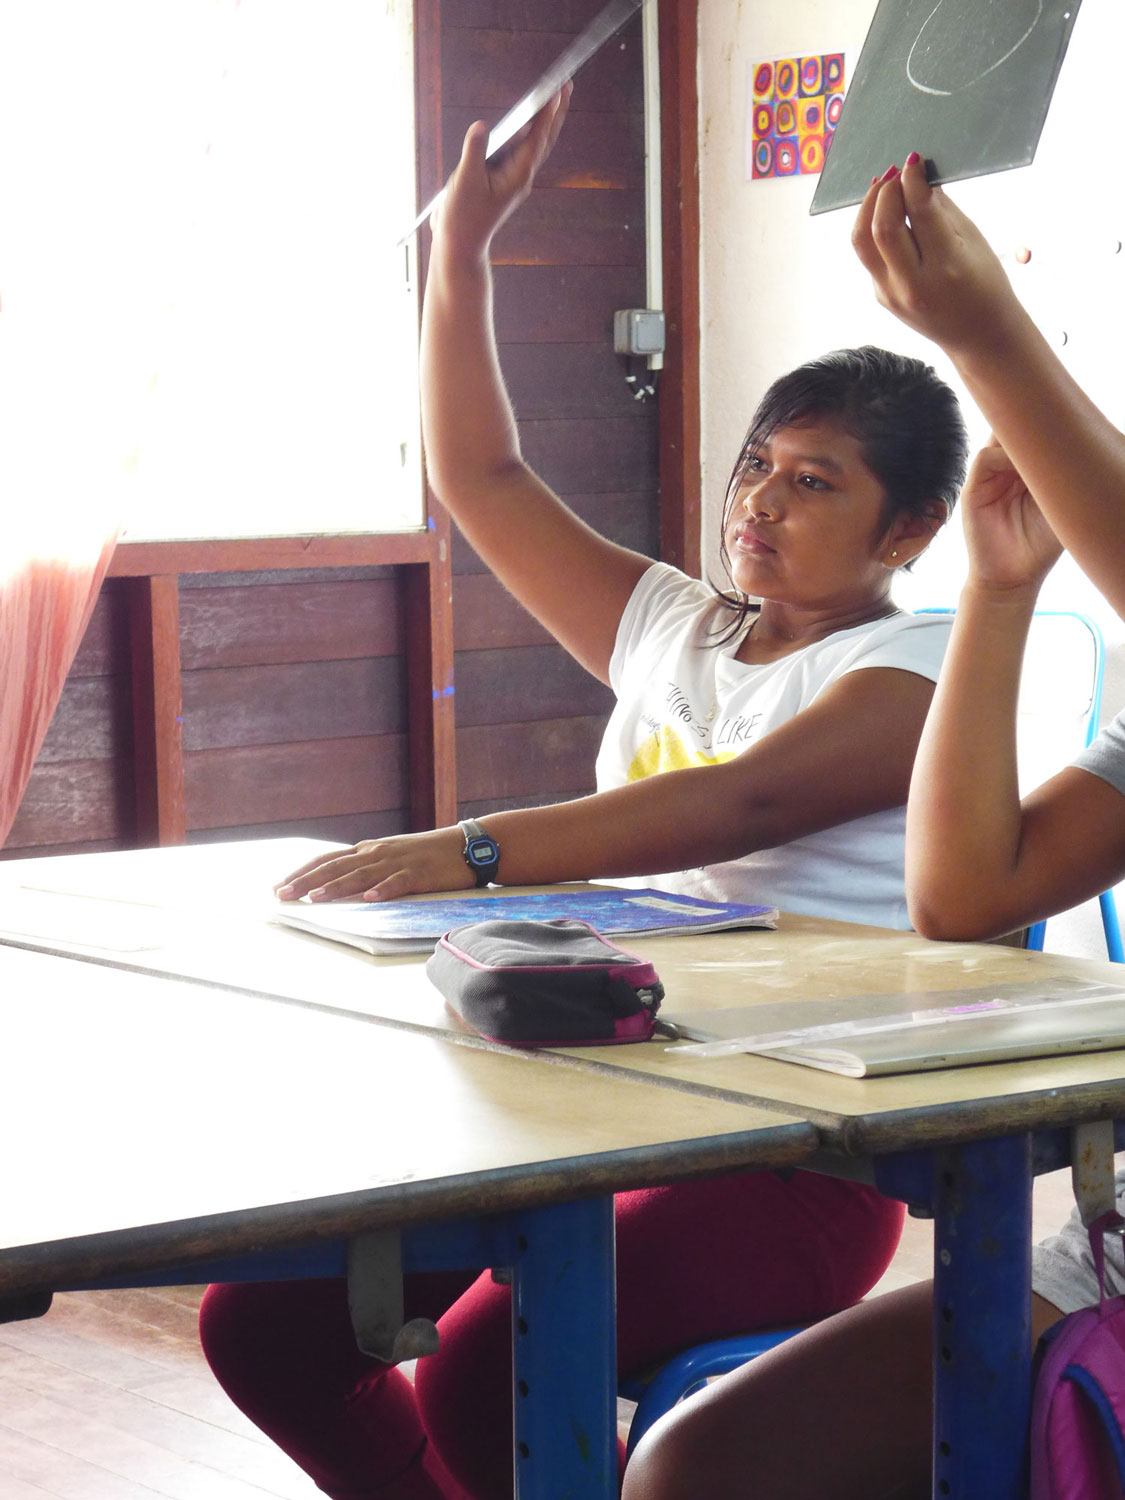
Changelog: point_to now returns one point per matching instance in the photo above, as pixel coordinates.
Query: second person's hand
(1011, 546)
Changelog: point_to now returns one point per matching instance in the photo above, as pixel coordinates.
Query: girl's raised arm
(934, 269)
(978, 862)
(574, 581)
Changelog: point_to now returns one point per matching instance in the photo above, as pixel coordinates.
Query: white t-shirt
(684, 701)
(1106, 756)
(1062, 1266)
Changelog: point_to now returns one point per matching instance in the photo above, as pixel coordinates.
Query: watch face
(481, 852)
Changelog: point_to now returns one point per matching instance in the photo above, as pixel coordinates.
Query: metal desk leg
(982, 1319)
(565, 1343)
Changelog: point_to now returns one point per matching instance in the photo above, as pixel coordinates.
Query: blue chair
(1059, 714)
(689, 1372)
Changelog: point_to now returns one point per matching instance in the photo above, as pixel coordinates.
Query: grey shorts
(1062, 1266)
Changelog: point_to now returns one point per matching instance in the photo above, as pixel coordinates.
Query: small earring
(893, 556)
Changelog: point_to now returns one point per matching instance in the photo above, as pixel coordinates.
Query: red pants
(698, 1261)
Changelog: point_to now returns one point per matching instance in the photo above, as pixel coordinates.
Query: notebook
(863, 1036)
(414, 925)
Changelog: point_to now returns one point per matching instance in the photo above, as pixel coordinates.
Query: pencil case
(545, 984)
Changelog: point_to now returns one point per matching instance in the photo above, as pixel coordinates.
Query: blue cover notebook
(414, 926)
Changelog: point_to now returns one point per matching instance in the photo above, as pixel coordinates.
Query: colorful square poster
(794, 107)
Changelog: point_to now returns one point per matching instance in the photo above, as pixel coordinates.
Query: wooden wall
(295, 682)
(293, 714)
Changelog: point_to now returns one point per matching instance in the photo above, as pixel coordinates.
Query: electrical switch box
(638, 331)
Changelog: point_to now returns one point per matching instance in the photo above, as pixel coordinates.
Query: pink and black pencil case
(545, 984)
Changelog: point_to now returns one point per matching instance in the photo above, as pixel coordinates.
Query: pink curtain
(45, 606)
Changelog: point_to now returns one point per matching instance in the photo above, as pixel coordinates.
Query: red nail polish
(874, 180)
(889, 175)
(913, 159)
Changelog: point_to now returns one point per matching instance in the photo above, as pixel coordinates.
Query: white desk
(163, 1131)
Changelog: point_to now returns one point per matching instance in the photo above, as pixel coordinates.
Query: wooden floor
(108, 1396)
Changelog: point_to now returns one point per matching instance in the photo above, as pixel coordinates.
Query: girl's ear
(910, 534)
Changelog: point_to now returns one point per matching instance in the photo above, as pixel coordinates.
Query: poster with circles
(795, 104)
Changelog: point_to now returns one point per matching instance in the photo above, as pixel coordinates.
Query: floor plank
(61, 1475)
(108, 1397)
(251, 1459)
(19, 1489)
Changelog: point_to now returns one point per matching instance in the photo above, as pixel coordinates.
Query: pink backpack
(1078, 1407)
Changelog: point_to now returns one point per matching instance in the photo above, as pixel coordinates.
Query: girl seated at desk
(784, 736)
(844, 1411)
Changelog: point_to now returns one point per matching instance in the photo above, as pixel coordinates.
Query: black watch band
(481, 853)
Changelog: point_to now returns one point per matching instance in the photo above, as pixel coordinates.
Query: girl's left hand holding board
(933, 268)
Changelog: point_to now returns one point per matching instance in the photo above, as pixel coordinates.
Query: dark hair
(906, 419)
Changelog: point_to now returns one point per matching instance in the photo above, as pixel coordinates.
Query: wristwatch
(482, 853)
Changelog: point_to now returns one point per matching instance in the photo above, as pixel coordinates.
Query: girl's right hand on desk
(1011, 546)
(481, 194)
(383, 869)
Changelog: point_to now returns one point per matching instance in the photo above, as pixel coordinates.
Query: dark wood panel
(253, 554)
(486, 616)
(506, 804)
(92, 720)
(290, 622)
(598, 149)
(522, 15)
(563, 304)
(523, 760)
(244, 577)
(506, 686)
(320, 778)
(347, 828)
(91, 846)
(680, 415)
(489, 70)
(276, 705)
(158, 709)
(587, 455)
(75, 802)
(570, 380)
(105, 644)
(629, 519)
(430, 706)
(428, 100)
(574, 227)
(429, 593)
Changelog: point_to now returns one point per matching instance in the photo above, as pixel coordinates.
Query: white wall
(779, 287)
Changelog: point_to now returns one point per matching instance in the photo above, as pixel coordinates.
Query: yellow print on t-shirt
(664, 750)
